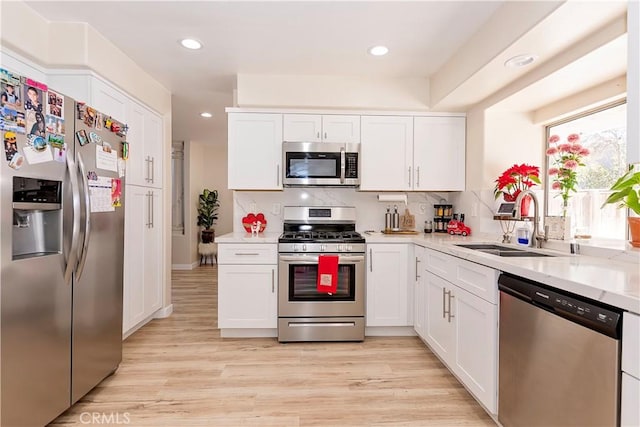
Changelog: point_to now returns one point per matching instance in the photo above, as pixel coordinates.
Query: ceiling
(273, 37)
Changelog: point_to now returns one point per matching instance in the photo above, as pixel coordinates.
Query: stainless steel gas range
(304, 313)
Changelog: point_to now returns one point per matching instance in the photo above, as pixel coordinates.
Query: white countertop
(243, 237)
(604, 279)
(600, 278)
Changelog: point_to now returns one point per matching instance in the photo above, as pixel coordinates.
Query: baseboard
(163, 312)
(390, 331)
(248, 333)
(184, 266)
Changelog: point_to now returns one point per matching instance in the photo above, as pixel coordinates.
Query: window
(177, 188)
(604, 133)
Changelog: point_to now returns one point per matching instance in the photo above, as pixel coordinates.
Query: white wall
(363, 92)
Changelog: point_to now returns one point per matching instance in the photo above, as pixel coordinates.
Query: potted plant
(208, 213)
(626, 194)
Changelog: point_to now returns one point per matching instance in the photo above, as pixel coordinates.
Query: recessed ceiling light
(191, 44)
(206, 115)
(378, 50)
(520, 61)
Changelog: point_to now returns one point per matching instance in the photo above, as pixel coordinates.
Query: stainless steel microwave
(318, 164)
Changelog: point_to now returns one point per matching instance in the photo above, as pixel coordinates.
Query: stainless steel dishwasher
(559, 358)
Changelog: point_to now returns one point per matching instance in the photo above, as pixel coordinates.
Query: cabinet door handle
(273, 281)
(146, 176)
(148, 210)
(444, 300)
(409, 176)
(153, 173)
(370, 260)
(277, 175)
(325, 135)
(247, 253)
(450, 315)
(417, 275)
(418, 176)
(318, 135)
(151, 203)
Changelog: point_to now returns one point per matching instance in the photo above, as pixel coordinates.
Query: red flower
(564, 148)
(551, 151)
(553, 139)
(515, 179)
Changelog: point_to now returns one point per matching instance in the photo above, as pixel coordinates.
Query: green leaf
(617, 196)
(632, 202)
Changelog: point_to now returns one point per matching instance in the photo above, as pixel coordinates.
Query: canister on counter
(428, 226)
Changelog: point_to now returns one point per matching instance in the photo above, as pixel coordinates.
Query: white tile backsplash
(478, 207)
(370, 212)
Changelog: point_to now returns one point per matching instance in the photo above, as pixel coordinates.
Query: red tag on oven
(327, 274)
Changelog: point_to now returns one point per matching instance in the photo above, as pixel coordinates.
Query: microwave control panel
(351, 160)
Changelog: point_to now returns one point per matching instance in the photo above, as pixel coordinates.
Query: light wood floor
(179, 372)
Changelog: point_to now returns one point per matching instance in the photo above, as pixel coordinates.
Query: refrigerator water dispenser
(37, 217)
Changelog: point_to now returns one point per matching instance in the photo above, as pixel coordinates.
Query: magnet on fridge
(125, 150)
(95, 138)
(82, 137)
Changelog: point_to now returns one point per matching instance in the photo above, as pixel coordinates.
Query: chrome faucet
(536, 239)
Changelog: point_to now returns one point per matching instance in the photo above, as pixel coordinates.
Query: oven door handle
(304, 259)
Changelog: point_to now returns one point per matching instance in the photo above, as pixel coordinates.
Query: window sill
(619, 250)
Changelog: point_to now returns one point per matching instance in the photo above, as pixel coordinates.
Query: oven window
(313, 165)
(303, 284)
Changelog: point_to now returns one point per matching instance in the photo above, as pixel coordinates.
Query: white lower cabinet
(476, 335)
(247, 296)
(462, 328)
(247, 286)
(387, 285)
(143, 278)
(419, 293)
(630, 406)
(439, 329)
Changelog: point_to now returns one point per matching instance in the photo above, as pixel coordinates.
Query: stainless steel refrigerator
(62, 259)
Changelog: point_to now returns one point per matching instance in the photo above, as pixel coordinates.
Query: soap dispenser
(523, 233)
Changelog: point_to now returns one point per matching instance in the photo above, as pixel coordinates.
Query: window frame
(547, 132)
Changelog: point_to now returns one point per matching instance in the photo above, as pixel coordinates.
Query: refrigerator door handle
(87, 221)
(75, 231)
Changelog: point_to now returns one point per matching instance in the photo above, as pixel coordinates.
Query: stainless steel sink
(503, 251)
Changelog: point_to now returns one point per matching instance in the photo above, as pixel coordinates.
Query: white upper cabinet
(321, 128)
(439, 153)
(413, 153)
(144, 166)
(387, 159)
(255, 151)
(108, 100)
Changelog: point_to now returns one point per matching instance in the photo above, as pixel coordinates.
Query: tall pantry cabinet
(144, 222)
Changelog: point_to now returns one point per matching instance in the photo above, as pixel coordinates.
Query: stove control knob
(349, 248)
(340, 248)
(323, 248)
(295, 248)
(304, 247)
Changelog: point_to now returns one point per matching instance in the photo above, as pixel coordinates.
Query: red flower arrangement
(516, 179)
